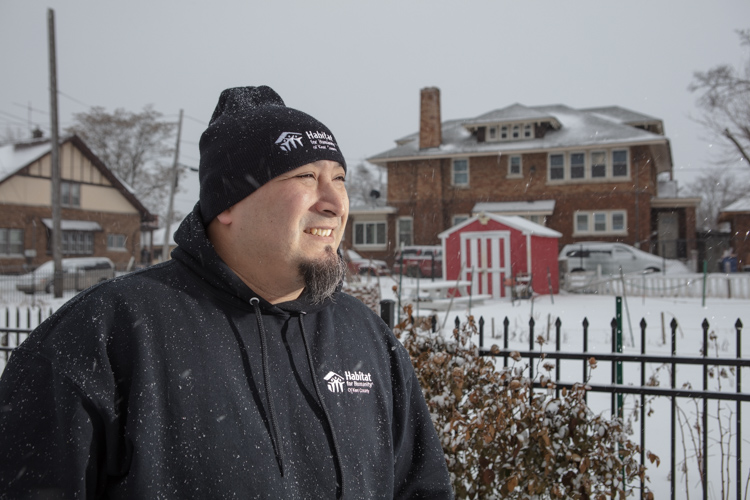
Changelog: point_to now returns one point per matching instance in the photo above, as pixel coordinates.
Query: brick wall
(36, 234)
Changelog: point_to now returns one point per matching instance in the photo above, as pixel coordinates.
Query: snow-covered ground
(571, 309)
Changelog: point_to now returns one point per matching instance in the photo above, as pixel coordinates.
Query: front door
(668, 231)
(485, 261)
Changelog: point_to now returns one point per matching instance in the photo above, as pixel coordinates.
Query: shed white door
(485, 260)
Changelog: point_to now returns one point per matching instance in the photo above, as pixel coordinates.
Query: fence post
(738, 424)
(386, 311)
(506, 324)
(558, 325)
(673, 489)
(531, 348)
(643, 404)
(481, 332)
(704, 326)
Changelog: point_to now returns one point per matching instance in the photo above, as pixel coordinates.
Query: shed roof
(516, 222)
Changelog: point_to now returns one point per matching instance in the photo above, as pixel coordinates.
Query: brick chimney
(429, 118)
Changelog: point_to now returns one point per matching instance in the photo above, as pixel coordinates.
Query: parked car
(78, 274)
(360, 265)
(419, 261)
(589, 255)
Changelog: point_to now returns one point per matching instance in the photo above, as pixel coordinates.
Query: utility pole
(56, 211)
(172, 189)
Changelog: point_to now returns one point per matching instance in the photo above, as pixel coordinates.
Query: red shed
(490, 250)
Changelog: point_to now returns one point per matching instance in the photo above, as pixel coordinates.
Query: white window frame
(504, 135)
(604, 156)
(492, 134)
(595, 217)
(588, 175)
(117, 242)
(459, 218)
(364, 243)
(565, 175)
(399, 241)
(6, 241)
(528, 131)
(511, 173)
(583, 165)
(453, 172)
(70, 194)
(627, 163)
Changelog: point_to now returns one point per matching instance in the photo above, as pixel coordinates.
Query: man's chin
(322, 274)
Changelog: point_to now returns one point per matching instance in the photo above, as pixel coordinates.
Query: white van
(610, 257)
(78, 274)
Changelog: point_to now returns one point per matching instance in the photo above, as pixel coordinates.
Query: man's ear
(225, 217)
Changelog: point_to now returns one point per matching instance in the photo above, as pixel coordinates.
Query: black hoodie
(177, 381)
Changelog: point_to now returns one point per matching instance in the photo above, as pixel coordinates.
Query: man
(237, 369)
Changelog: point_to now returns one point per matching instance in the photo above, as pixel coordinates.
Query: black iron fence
(644, 390)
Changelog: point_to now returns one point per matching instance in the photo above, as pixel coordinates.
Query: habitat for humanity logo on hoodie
(351, 382)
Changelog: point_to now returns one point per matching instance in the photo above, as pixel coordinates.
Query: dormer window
(507, 132)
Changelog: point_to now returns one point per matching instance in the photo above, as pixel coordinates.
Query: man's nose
(332, 199)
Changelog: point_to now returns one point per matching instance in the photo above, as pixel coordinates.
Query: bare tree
(717, 188)
(135, 146)
(725, 101)
(366, 186)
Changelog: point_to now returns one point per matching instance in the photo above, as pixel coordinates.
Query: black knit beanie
(252, 138)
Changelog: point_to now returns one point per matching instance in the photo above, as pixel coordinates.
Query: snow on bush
(503, 439)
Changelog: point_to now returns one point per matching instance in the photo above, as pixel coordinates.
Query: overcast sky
(358, 66)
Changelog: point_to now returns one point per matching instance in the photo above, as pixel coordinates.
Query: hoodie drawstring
(336, 453)
(267, 386)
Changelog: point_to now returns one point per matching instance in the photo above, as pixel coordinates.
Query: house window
(504, 132)
(77, 242)
(516, 131)
(11, 241)
(458, 219)
(527, 131)
(556, 167)
(405, 231)
(70, 194)
(492, 133)
(369, 233)
(598, 164)
(116, 242)
(620, 163)
(618, 221)
(582, 222)
(600, 222)
(577, 165)
(514, 166)
(461, 172)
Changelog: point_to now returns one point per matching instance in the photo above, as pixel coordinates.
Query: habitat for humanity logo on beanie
(252, 138)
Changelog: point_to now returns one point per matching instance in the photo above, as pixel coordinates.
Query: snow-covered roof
(514, 221)
(621, 115)
(578, 128)
(16, 156)
(74, 225)
(742, 205)
(541, 207)
(513, 113)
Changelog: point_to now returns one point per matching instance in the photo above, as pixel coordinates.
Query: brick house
(100, 215)
(590, 174)
(738, 216)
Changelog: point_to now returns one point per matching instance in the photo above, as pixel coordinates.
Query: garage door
(485, 260)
